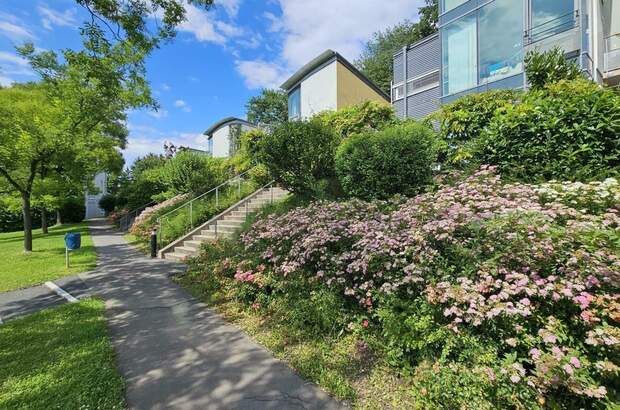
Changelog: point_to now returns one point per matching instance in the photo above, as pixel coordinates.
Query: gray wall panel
(423, 58)
(399, 108)
(398, 68)
(422, 104)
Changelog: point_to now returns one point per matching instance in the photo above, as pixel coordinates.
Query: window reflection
(459, 49)
(501, 40)
(294, 104)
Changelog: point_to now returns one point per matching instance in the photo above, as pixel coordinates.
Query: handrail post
(161, 232)
(217, 197)
(239, 186)
(191, 216)
(216, 229)
(271, 191)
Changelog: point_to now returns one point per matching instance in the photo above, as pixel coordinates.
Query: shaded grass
(138, 243)
(59, 358)
(46, 261)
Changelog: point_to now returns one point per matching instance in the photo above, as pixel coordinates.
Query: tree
(268, 109)
(549, 67)
(376, 60)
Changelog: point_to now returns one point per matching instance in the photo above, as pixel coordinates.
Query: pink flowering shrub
(147, 219)
(517, 283)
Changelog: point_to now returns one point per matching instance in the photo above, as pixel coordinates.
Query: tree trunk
(44, 221)
(58, 217)
(27, 222)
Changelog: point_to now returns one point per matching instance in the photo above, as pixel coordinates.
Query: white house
(92, 200)
(328, 83)
(223, 136)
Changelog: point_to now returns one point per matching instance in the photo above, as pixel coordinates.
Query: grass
(46, 261)
(59, 358)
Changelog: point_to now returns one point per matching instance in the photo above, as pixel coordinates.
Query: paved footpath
(175, 353)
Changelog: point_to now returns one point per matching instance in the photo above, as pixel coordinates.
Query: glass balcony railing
(612, 43)
(552, 27)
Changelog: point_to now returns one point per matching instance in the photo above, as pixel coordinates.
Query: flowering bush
(517, 283)
(143, 224)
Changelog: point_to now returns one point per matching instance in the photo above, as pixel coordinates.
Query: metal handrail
(227, 182)
(134, 211)
(189, 204)
(565, 25)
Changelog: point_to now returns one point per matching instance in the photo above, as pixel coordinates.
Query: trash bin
(73, 240)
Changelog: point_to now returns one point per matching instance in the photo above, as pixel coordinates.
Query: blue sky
(219, 59)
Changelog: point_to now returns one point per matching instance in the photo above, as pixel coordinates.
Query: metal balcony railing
(552, 27)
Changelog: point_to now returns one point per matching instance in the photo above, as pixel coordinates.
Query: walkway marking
(60, 291)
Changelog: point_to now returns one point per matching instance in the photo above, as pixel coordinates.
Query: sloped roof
(324, 58)
(225, 121)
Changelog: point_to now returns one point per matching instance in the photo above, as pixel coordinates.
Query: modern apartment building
(328, 83)
(481, 45)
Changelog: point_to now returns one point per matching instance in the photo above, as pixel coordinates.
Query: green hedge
(397, 160)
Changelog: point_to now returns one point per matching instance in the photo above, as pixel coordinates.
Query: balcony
(612, 53)
(562, 31)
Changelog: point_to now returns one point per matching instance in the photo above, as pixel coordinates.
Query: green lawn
(46, 261)
(59, 358)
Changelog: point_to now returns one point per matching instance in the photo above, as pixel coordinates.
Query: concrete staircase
(223, 225)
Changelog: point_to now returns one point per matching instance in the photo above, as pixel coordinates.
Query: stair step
(192, 244)
(204, 236)
(225, 222)
(175, 257)
(184, 250)
(221, 228)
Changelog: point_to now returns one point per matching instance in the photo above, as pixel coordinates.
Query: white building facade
(222, 137)
(92, 199)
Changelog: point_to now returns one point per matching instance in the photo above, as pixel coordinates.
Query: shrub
(300, 156)
(107, 203)
(190, 172)
(568, 130)
(147, 219)
(397, 160)
(542, 69)
(510, 283)
(366, 116)
(73, 210)
(465, 119)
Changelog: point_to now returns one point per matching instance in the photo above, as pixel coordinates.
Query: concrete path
(30, 300)
(173, 352)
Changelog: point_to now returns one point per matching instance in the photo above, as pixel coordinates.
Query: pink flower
(365, 323)
(515, 378)
(535, 353)
(568, 369)
(511, 342)
(575, 362)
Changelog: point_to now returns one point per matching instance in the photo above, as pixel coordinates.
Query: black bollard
(153, 243)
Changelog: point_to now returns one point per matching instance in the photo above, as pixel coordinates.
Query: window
(423, 83)
(447, 5)
(500, 26)
(550, 17)
(459, 55)
(398, 92)
(294, 104)
(210, 145)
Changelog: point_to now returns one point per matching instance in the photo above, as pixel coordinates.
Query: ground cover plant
(483, 294)
(46, 261)
(59, 358)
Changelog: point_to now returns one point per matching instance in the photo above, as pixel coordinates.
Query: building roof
(226, 121)
(324, 58)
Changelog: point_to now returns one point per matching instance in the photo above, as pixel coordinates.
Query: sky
(219, 59)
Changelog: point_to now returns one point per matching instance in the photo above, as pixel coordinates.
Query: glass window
(550, 17)
(500, 26)
(447, 5)
(459, 55)
(294, 103)
(398, 92)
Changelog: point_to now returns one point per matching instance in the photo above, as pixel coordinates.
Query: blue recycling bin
(73, 240)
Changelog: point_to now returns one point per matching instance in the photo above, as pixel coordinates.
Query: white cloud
(12, 64)
(6, 81)
(165, 87)
(229, 30)
(259, 74)
(230, 6)
(309, 27)
(15, 31)
(182, 105)
(161, 113)
(51, 18)
(143, 141)
(199, 24)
